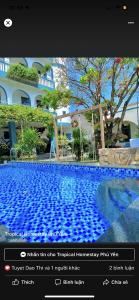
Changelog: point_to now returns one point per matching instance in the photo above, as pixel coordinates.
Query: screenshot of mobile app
(69, 152)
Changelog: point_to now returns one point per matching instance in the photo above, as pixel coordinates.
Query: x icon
(8, 22)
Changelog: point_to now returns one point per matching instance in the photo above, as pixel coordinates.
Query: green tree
(109, 81)
(28, 141)
(25, 115)
(56, 98)
(79, 142)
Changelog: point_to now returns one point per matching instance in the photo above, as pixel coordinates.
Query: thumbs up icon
(15, 282)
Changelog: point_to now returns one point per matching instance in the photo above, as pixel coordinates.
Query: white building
(130, 125)
(25, 92)
(131, 120)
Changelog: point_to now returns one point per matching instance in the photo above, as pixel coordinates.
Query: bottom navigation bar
(70, 296)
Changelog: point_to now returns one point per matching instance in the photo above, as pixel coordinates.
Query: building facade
(131, 120)
(25, 92)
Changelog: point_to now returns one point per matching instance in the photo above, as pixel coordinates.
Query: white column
(29, 61)
(32, 99)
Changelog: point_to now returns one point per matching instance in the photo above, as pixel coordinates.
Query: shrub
(62, 140)
(28, 140)
(17, 71)
(46, 68)
(32, 74)
(4, 149)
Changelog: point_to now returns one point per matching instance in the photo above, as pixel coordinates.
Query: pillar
(12, 133)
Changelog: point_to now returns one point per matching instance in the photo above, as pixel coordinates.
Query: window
(40, 130)
(63, 112)
(25, 101)
(126, 130)
(6, 135)
(39, 104)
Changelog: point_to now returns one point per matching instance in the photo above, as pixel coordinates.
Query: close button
(8, 23)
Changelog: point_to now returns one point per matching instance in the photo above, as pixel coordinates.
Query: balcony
(41, 84)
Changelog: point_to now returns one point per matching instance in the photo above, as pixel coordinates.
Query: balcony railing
(43, 82)
(46, 83)
(4, 66)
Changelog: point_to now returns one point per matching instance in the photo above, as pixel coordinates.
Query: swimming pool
(57, 202)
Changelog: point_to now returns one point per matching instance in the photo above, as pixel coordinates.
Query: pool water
(54, 203)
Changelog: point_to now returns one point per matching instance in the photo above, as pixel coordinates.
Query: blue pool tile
(55, 203)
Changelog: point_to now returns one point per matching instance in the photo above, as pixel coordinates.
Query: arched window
(38, 101)
(19, 60)
(38, 66)
(21, 97)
